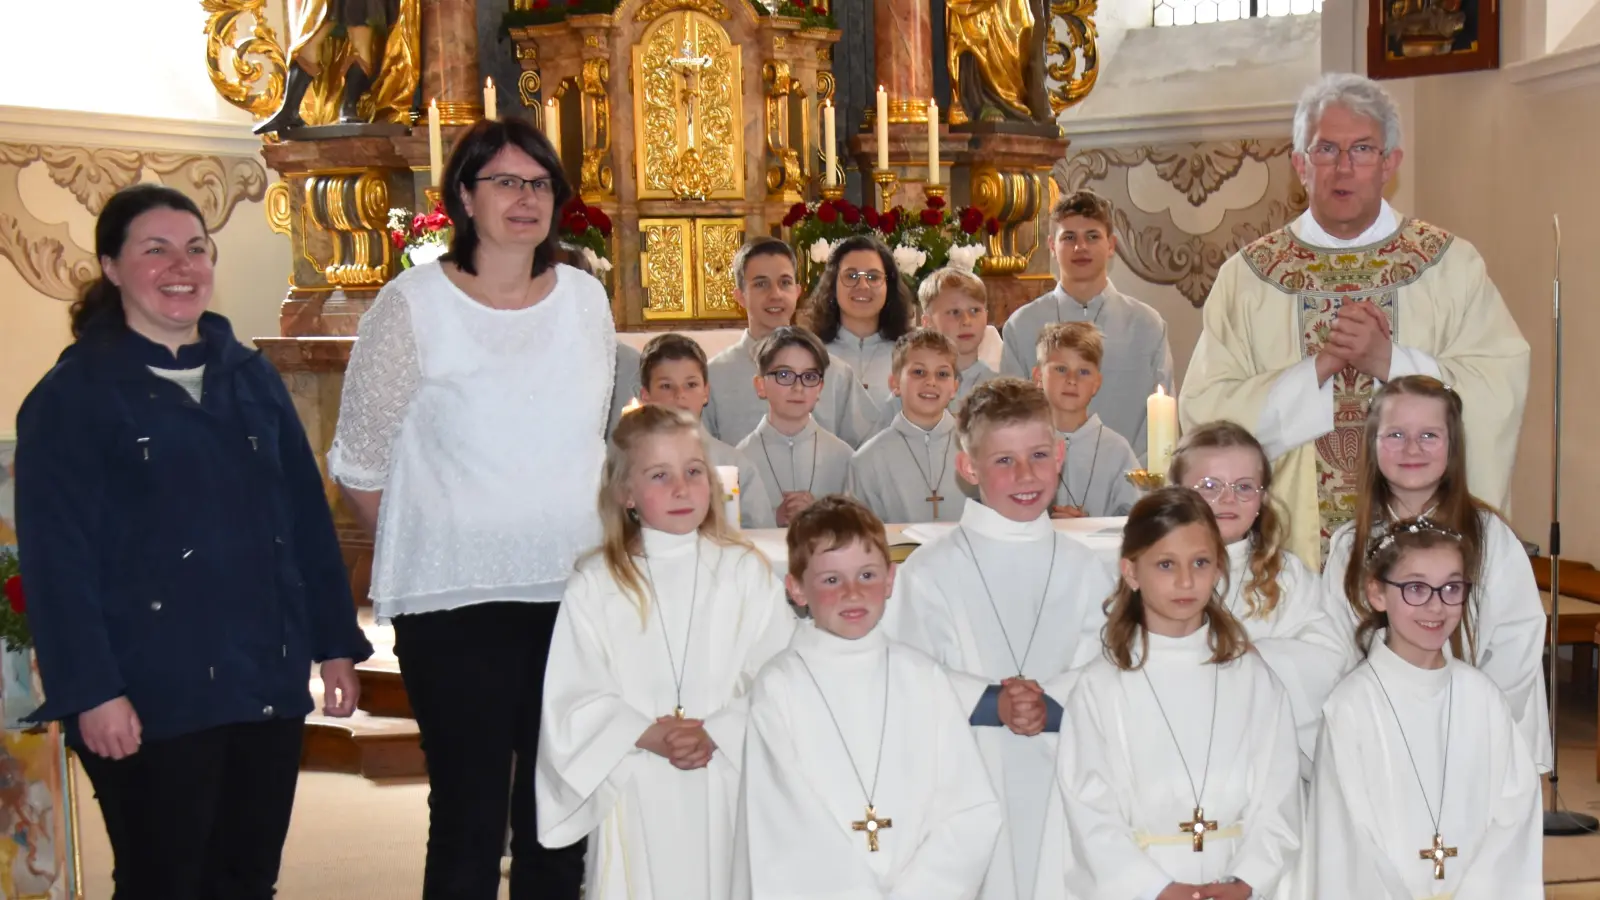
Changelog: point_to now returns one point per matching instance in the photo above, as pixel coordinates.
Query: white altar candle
(729, 476)
(435, 145)
(490, 105)
(1161, 414)
(933, 142)
(829, 136)
(552, 124)
(883, 128)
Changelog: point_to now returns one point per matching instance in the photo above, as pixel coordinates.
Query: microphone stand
(1556, 820)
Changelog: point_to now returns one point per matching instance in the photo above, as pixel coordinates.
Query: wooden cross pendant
(1199, 826)
(677, 712)
(935, 499)
(871, 824)
(1438, 853)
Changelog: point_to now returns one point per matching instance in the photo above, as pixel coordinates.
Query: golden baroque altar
(664, 128)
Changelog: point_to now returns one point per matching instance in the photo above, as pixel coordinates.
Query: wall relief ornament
(1152, 244)
(45, 254)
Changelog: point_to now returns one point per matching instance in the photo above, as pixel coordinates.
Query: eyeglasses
(873, 279)
(787, 377)
(1417, 593)
(1327, 153)
(513, 184)
(1397, 440)
(1243, 491)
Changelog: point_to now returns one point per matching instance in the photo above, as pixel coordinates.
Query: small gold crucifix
(871, 824)
(1198, 827)
(677, 712)
(935, 499)
(1438, 853)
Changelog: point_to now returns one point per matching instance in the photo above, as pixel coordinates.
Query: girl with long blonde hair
(1414, 465)
(661, 630)
(1180, 773)
(1270, 591)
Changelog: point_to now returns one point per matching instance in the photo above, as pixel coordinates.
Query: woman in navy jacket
(181, 565)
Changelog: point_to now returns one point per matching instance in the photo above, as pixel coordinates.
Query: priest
(1302, 323)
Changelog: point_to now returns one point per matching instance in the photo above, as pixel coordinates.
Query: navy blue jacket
(180, 554)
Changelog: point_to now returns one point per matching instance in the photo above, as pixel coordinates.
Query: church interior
(688, 126)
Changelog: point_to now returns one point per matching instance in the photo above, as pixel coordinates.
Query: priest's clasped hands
(1022, 706)
(1360, 338)
(682, 742)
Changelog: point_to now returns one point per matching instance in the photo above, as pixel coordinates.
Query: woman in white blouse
(470, 443)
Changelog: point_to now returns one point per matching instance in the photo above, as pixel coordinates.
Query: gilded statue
(995, 50)
(346, 50)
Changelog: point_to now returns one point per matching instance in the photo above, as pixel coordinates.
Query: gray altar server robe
(1091, 478)
(812, 461)
(1137, 356)
(734, 411)
(892, 473)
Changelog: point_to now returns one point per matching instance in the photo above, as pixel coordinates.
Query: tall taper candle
(490, 105)
(883, 128)
(933, 142)
(1161, 426)
(552, 124)
(435, 145)
(829, 136)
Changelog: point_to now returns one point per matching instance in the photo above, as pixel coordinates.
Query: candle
(933, 142)
(1161, 414)
(883, 128)
(552, 124)
(807, 136)
(490, 106)
(435, 145)
(829, 136)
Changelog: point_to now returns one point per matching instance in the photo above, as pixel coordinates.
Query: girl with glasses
(1269, 590)
(859, 308)
(1414, 465)
(1424, 787)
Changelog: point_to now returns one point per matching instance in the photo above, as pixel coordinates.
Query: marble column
(450, 60)
(903, 31)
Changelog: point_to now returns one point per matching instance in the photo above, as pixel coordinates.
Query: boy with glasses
(797, 459)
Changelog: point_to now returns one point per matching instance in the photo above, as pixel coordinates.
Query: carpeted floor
(354, 839)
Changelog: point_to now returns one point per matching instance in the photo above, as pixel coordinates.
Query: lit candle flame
(632, 405)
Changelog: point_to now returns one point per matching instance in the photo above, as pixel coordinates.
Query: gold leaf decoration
(255, 58)
(1063, 56)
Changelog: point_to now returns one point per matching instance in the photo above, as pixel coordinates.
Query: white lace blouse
(484, 430)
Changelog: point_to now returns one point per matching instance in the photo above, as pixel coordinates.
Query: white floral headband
(1421, 525)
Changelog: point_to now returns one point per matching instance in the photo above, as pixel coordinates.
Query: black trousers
(202, 816)
(475, 676)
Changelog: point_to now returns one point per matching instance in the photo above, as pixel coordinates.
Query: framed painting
(1408, 38)
(39, 853)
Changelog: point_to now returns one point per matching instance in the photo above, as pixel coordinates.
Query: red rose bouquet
(420, 238)
(589, 229)
(14, 607)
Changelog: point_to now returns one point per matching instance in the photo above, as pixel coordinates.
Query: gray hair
(1356, 93)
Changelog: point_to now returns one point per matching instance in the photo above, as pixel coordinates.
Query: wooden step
(383, 691)
(375, 747)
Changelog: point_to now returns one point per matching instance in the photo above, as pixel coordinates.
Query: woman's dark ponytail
(100, 305)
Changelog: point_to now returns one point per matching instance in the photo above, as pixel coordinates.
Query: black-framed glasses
(1418, 593)
(787, 377)
(1243, 491)
(513, 184)
(872, 279)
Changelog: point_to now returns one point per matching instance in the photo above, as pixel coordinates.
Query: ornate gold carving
(997, 35)
(662, 271)
(1151, 243)
(351, 208)
(654, 9)
(595, 177)
(783, 169)
(254, 58)
(692, 125)
(279, 217)
(458, 112)
(716, 242)
(392, 95)
(528, 89)
(825, 53)
(1015, 198)
(592, 41)
(1072, 85)
(779, 42)
(46, 255)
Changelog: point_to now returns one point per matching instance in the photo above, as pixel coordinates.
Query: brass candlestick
(1146, 481)
(935, 190)
(833, 193)
(434, 196)
(887, 181)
